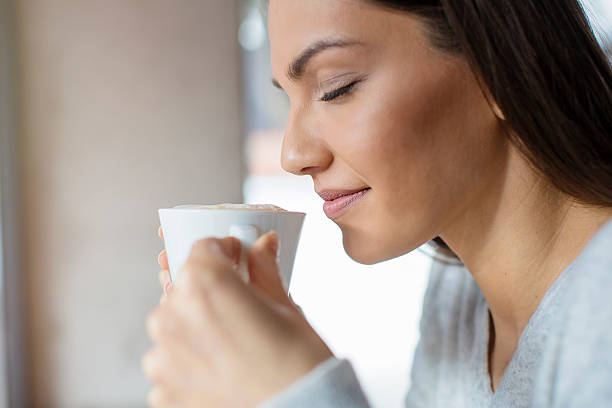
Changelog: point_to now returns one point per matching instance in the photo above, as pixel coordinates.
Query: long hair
(542, 65)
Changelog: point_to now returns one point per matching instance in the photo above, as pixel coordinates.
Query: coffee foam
(230, 206)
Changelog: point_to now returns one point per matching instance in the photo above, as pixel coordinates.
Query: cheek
(423, 147)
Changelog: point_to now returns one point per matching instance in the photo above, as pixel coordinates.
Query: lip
(337, 202)
(330, 195)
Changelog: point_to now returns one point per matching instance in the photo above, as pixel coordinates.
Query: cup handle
(247, 234)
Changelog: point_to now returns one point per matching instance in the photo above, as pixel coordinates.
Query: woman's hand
(220, 342)
(164, 273)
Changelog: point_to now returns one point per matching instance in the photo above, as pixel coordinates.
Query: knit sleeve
(332, 384)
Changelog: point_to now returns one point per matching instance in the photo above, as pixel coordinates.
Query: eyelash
(343, 90)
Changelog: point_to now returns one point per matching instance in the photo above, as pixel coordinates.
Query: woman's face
(376, 106)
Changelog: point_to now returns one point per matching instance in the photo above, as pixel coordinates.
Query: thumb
(263, 268)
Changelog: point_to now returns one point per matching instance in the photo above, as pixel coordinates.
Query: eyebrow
(297, 67)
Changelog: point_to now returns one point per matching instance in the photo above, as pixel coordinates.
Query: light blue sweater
(563, 358)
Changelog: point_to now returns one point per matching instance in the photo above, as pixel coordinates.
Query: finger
(181, 350)
(210, 262)
(164, 278)
(162, 398)
(151, 365)
(162, 259)
(153, 324)
(163, 325)
(160, 232)
(264, 270)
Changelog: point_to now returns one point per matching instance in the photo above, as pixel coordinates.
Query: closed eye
(338, 92)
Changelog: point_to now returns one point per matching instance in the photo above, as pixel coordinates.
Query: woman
(485, 126)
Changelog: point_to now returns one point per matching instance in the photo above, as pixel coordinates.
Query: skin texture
(417, 129)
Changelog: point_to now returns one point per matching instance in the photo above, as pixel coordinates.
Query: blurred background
(112, 109)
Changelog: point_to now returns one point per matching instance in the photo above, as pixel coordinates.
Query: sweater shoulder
(577, 361)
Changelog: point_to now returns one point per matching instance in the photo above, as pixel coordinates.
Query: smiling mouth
(339, 202)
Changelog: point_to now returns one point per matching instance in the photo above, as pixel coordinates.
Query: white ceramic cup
(184, 225)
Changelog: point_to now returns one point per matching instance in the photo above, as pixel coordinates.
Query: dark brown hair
(541, 64)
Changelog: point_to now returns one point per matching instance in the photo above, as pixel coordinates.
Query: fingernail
(168, 287)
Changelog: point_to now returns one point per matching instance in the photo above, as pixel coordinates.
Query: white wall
(126, 106)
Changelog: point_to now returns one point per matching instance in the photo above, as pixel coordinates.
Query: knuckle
(205, 245)
(217, 281)
(150, 366)
(155, 398)
(211, 251)
(196, 306)
(153, 323)
(216, 277)
(203, 278)
(190, 275)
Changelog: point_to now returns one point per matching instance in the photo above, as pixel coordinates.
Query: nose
(302, 151)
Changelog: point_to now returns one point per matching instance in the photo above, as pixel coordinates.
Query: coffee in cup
(229, 206)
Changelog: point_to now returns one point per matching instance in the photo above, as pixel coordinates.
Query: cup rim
(232, 209)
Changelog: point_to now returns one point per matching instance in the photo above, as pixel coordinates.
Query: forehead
(295, 24)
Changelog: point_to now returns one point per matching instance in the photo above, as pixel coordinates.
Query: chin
(363, 250)
(364, 260)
